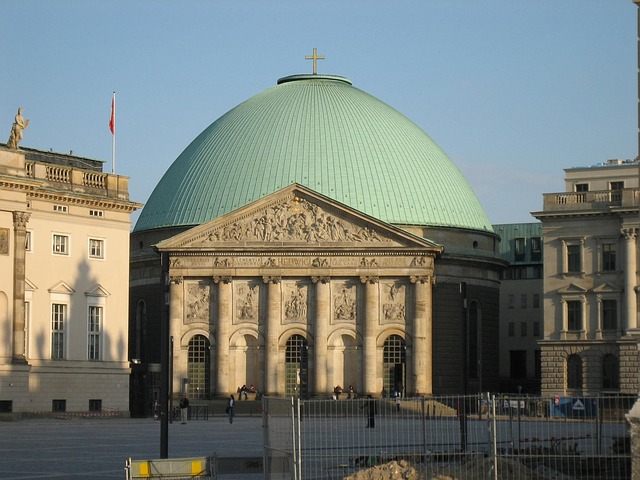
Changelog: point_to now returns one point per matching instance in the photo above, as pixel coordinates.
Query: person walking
(229, 408)
(184, 409)
(370, 406)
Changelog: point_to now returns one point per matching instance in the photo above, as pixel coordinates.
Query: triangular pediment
(29, 286)
(607, 287)
(61, 287)
(571, 288)
(97, 291)
(299, 218)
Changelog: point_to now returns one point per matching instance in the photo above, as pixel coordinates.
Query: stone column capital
(324, 279)
(222, 279)
(422, 279)
(20, 220)
(175, 280)
(271, 279)
(369, 279)
(629, 233)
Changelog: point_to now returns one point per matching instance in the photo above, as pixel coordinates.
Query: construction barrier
(173, 468)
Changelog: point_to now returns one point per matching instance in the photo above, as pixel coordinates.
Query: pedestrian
(229, 408)
(398, 398)
(351, 393)
(370, 405)
(184, 409)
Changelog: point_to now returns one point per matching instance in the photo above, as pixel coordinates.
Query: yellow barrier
(173, 468)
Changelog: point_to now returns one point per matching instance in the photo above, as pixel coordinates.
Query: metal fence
(465, 437)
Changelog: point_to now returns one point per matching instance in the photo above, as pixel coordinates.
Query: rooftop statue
(19, 124)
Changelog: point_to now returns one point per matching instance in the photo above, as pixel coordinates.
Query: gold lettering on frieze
(294, 262)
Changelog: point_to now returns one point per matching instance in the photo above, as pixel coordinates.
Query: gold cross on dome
(315, 59)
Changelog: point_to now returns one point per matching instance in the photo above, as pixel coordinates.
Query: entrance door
(296, 367)
(395, 359)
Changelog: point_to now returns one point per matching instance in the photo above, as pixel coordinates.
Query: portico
(296, 293)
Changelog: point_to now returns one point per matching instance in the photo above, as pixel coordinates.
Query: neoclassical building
(591, 331)
(315, 237)
(64, 231)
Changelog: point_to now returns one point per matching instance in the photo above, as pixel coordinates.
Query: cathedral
(314, 237)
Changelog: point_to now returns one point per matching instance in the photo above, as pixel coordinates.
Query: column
(369, 353)
(273, 330)
(20, 220)
(322, 317)
(630, 320)
(423, 336)
(178, 362)
(224, 321)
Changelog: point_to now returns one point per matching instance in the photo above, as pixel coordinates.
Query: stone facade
(297, 293)
(64, 228)
(590, 282)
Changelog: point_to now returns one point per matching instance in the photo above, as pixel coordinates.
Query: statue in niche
(246, 307)
(345, 305)
(19, 124)
(197, 302)
(296, 307)
(394, 308)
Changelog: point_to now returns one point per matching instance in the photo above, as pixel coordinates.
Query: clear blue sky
(514, 91)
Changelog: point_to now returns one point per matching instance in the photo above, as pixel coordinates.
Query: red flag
(112, 120)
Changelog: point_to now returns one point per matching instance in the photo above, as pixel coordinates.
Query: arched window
(610, 372)
(198, 371)
(394, 360)
(296, 367)
(574, 372)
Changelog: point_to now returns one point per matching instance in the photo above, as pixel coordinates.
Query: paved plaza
(98, 448)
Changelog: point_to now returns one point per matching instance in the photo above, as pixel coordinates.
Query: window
(574, 371)
(574, 260)
(96, 248)
(95, 405)
(536, 249)
(58, 318)
(94, 331)
(536, 329)
(523, 329)
(616, 185)
(96, 213)
(518, 364)
(582, 187)
(608, 257)
(609, 315)
(512, 300)
(574, 315)
(519, 249)
(523, 300)
(27, 241)
(512, 329)
(58, 405)
(60, 244)
(610, 372)
(61, 208)
(536, 300)
(537, 359)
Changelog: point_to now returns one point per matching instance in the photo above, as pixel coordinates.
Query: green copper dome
(321, 132)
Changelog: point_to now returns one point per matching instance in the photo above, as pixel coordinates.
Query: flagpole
(112, 124)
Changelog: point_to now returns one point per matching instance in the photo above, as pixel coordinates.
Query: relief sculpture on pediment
(294, 219)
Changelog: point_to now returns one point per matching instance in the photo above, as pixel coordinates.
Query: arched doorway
(296, 367)
(198, 362)
(394, 364)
